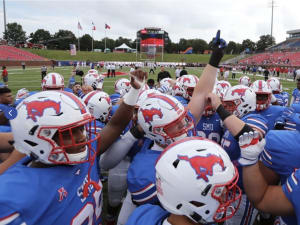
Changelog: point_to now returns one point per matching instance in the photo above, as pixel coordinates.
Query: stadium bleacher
(15, 54)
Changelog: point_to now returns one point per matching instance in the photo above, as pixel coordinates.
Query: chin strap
(90, 182)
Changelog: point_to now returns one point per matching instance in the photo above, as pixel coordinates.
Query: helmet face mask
(164, 119)
(66, 148)
(240, 100)
(57, 128)
(263, 94)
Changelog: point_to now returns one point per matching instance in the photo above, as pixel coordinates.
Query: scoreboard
(152, 36)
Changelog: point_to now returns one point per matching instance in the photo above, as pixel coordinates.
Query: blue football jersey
(52, 195)
(281, 154)
(296, 95)
(141, 176)
(141, 173)
(271, 114)
(291, 190)
(183, 101)
(115, 97)
(285, 96)
(210, 127)
(148, 215)
(279, 99)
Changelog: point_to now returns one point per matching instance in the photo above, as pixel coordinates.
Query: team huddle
(188, 151)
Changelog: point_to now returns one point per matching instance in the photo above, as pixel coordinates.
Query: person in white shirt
(177, 72)
(233, 72)
(113, 70)
(226, 74)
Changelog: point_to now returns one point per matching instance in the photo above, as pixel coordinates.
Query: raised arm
(207, 79)
(123, 115)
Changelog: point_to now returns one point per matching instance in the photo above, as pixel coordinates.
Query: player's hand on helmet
(218, 50)
(138, 78)
(251, 147)
(214, 100)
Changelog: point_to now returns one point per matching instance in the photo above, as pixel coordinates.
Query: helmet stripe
(53, 79)
(86, 101)
(76, 100)
(166, 99)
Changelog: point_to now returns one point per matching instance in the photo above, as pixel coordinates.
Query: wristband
(131, 97)
(246, 129)
(222, 112)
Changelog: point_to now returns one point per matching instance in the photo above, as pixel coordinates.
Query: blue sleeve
(257, 121)
(294, 92)
(148, 215)
(291, 190)
(281, 147)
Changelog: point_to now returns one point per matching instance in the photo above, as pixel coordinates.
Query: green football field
(30, 78)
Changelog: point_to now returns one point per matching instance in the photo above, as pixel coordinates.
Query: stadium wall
(28, 63)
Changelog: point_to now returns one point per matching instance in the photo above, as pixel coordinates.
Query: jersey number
(212, 136)
(88, 210)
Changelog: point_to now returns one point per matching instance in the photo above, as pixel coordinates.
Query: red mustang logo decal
(37, 108)
(149, 113)
(240, 92)
(203, 165)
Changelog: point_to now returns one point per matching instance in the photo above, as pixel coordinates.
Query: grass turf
(30, 78)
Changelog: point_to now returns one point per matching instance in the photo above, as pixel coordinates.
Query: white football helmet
(263, 94)
(222, 87)
(144, 94)
(188, 82)
(22, 93)
(93, 71)
(240, 100)
(164, 119)
(53, 81)
(196, 178)
(51, 121)
(245, 80)
(166, 86)
(275, 85)
(94, 80)
(122, 86)
(99, 105)
(177, 89)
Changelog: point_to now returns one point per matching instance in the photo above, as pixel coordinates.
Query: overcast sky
(237, 19)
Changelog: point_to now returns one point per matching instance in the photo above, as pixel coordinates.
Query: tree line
(62, 39)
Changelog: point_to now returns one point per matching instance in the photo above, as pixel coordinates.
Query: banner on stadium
(72, 49)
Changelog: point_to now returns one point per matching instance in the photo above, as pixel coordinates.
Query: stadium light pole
(4, 15)
(272, 18)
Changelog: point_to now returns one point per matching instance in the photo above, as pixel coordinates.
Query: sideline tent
(123, 48)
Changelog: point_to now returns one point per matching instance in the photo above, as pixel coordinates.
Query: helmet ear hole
(197, 204)
(31, 143)
(175, 163)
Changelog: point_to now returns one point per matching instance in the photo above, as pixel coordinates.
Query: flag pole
(93, 39)
(78, 37)
(105, 40)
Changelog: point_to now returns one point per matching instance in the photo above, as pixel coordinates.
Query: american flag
(72, 49)
(79, 26)
(94, 27)
(107, 26)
